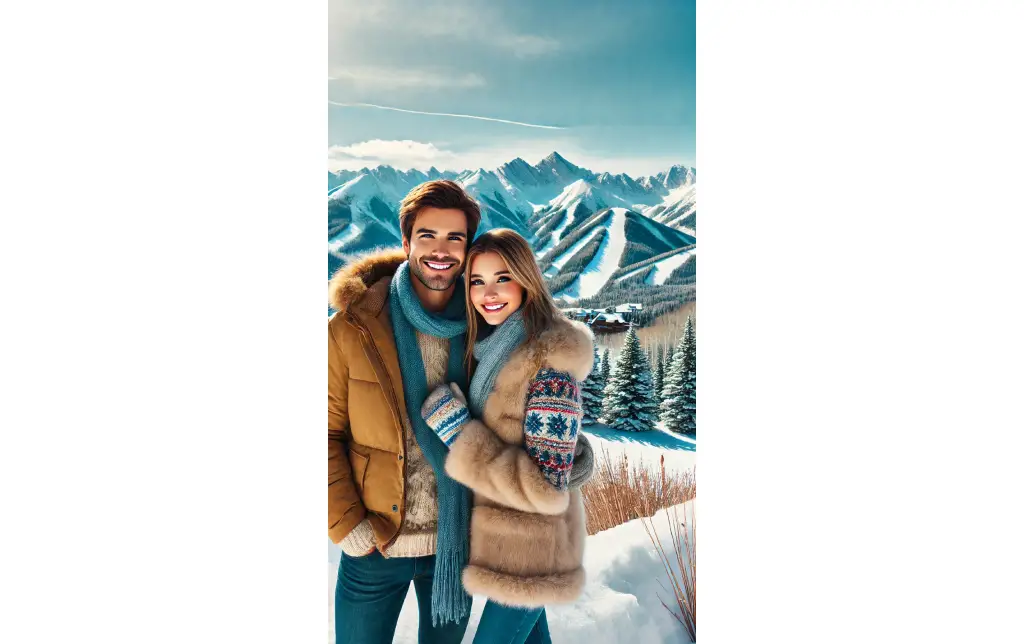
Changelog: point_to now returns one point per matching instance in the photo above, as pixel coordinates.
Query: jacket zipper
(390, 390)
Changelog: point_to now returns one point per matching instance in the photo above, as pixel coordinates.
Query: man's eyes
(453, 238)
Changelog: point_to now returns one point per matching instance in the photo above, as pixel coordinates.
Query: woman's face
(493, 292)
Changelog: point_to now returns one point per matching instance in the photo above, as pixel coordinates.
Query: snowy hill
(621, 601)
(547, 203)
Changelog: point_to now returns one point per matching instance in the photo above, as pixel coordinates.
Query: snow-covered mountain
(678, 210)
(613, 220)
(604, 247)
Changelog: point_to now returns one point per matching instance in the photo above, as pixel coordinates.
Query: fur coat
(526, 535)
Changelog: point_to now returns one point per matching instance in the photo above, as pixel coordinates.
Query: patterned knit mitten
(445, 414)
(554, 410)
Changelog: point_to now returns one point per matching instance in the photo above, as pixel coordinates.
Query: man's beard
(437, 282)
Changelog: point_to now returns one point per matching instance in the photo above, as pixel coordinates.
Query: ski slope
(663, 268)
(566, 255)
(605, 262)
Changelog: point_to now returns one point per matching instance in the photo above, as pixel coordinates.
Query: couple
(454, 458)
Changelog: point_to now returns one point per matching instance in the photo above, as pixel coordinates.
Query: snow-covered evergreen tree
(606, 367)
(679, 402)
(592, 392)
(659, 376)
(629, 395)
(689, 394)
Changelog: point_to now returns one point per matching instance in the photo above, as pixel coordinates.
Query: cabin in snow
(582, 315)
(610, 320)
(625, 308)
(609, 323)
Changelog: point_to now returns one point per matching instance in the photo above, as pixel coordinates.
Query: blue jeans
(502, 624)
(370, 594)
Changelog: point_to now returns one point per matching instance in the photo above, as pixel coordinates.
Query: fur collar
(567, 346)
(350, 283)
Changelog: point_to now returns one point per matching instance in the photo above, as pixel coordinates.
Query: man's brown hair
(438, 194)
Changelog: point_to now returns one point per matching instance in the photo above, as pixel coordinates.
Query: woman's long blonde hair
(539, 310)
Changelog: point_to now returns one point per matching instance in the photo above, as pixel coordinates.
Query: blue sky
(613, 81)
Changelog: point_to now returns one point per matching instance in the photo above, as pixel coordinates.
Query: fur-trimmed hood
(350, 282)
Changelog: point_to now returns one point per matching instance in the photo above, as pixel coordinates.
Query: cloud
(485, 28)
(394, 78)
(403, 155)
(479, 23)
(527, 45)
(464, 116)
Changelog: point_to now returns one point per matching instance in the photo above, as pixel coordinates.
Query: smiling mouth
(491, 308)
(439, 266)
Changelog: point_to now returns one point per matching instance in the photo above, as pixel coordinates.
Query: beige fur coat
(526, 536)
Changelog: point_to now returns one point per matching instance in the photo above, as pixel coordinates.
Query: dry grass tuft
(621, 492)
(683, 576)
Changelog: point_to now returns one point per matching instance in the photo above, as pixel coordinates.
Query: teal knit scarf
(450, 602)
(492, 353)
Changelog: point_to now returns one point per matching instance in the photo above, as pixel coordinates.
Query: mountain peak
(555, 157)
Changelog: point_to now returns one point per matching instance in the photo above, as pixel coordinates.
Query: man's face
(437, 247)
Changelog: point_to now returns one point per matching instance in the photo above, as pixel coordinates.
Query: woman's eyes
(480, 282)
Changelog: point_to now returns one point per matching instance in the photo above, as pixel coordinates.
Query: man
(384, 492)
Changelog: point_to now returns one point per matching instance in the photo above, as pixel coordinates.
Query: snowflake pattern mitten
(554, 410)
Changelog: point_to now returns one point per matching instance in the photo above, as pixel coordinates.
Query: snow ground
(680, 452)
(620, 602)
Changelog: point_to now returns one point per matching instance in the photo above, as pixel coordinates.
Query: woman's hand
(445, 412)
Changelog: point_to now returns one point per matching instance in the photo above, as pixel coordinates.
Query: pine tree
(606, 367)
(629, 395)
(679, 402)
(592, 391)
(659, 376)
(689, 394)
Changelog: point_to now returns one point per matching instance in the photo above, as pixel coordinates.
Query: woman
(514, 445)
